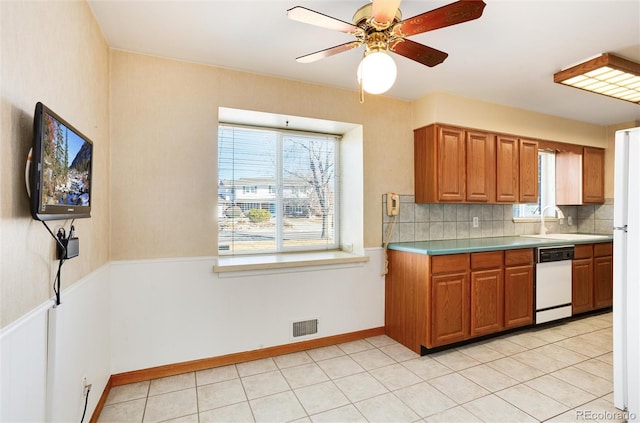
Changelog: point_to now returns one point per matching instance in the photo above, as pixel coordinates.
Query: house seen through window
(277, 190)
(546, 189)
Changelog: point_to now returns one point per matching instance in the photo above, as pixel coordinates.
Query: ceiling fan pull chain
(361, 92)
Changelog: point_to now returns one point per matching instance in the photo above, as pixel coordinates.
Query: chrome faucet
(543, 229)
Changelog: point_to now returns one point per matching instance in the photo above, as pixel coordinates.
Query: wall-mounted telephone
(393, 204)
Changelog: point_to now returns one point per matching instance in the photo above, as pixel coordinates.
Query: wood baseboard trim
(101, 402)
(224, 360)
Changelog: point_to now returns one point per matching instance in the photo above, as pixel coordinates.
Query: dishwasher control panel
(549, 254)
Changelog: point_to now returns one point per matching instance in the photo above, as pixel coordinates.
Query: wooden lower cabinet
(405, 284)
(603, 275)
(495, 293)
(487, 293)
(582, 285)
(518, 288)
(449, 308)
(518, 296)
(487, 299)
(592, 277)
(431, 301)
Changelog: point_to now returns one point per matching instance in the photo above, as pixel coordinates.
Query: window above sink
(546, 190)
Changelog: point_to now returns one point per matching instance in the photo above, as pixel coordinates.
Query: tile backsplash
(428, 222)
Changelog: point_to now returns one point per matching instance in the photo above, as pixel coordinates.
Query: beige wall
(164, 136)
(456, 110)
(52, 52)
(155, 175)
(610, 154)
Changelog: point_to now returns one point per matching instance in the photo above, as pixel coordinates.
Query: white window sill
(285, 260)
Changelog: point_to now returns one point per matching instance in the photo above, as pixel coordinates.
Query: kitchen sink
(569, 237)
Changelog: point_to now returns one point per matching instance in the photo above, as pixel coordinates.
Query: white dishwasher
(553, 283)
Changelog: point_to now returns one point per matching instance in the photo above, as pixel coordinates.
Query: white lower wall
(23, 368)
(170, 311)
(134, 315)
(45, 354)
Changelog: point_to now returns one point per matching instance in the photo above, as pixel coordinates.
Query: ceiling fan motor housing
(362, 19)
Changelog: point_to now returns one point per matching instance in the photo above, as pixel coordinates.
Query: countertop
(458, 246)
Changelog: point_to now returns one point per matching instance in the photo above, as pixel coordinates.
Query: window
(277, 190)
(546, 189)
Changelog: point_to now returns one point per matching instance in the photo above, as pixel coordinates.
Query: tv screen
(60, 168)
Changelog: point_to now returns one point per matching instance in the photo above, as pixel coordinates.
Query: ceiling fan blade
(313, 57)
(419, 52)
(451, 14)
(384, 11)
(304, 15)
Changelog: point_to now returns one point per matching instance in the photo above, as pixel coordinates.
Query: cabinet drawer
(520, 257)
(449, 263)
(602, 250)
(583, 251)
(486, 260)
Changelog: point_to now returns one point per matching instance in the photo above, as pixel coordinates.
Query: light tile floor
(560, 373)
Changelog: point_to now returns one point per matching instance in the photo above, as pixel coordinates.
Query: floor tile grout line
(606, 326)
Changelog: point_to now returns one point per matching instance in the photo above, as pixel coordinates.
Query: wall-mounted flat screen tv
(60, 173)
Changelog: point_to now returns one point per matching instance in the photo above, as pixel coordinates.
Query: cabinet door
(528, 171)
(449, 308)
(568, 178)
(451, 164)
(424, 164)
(507, 163)
(582, 285)
(593, 175)
(487, 299)
(602, 282)
(518, 296)
(481, 166)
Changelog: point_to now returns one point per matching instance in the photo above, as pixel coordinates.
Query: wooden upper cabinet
(593, 175)
(528, 171)
(507, 169)
(580, 177)
(568, 178)
(481, 167)
(439, 163)
(450, 163)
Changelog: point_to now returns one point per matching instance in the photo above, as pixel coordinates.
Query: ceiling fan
(379, 26)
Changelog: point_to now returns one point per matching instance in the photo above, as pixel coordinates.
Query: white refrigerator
(626, 273)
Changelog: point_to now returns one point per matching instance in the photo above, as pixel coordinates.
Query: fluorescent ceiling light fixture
(606, 74)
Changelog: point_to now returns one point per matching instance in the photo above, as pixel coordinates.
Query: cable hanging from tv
(58, 181)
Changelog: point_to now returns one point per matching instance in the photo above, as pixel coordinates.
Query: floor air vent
(306, 327)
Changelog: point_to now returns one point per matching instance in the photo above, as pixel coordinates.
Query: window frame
(517, 208)
(278, 187)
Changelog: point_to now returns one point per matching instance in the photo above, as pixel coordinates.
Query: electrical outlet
(85, 386)
(476, 222)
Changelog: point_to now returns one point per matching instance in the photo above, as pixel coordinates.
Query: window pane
(546, 188)
(308, 195)
(276, 191)
(246, 205)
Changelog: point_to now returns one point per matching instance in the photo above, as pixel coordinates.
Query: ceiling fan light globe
(377, 72)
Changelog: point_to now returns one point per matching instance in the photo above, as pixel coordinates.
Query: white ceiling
(508, 56)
